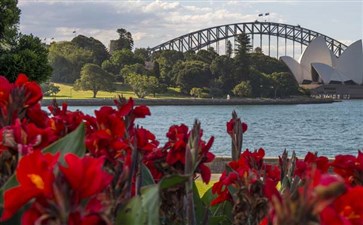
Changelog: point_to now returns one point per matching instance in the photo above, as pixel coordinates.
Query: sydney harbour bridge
(266, 35)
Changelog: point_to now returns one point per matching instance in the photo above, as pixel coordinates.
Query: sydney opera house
(330, 75)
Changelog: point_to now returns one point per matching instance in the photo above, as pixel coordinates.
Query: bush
(243, 89)
(49, 89)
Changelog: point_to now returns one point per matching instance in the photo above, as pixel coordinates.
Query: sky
(154, 22)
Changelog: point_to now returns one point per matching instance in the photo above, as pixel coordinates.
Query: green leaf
(150, 199)
(132, 213)
(172, 180)
(146, 176)
(201, 210)
(74, 142)
(208, 196)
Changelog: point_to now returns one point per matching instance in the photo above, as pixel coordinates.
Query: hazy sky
(154, 22)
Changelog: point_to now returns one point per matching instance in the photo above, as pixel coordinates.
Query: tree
(284, 84)
(99, 51)
(241, 58)
(166, 60)
(229, 49)
(142, 53)
(223, 68)
(9, 19)
(192, 74)
(94, 78)
(134, 68)
(124, 41)
(49, 89)
(142, 85)
(119, 59)
(20, 53)
(28, 56)
(242, 89)
(206, 56)
(67, 61)
(266, 64)
(258, 50)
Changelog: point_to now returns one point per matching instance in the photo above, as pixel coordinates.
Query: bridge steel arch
(205, 37)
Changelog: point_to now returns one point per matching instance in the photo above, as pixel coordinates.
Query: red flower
(230, 126)
(146, 140)
(178, 138)
(346, 210)
(206, 156)
(33, 92)
(5, 88)
(349, 167)
(85, 175)
(35, 176)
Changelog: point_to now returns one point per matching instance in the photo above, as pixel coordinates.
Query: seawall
(243, 101)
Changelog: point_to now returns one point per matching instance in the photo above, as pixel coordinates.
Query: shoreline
(174, 102)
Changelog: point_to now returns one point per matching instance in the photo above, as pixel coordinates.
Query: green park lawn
(67, 91)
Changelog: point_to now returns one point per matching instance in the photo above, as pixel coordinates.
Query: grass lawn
(67, 91)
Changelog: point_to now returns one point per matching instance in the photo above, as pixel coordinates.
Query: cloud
(150, 22)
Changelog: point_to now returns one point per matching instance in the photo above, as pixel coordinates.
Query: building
(340, 76)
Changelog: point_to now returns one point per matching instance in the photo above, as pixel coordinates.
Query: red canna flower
(5, 88)
(178, 138)
(35, 176)
(346, 210)
(146, 140)
(350, 168)
(33, 92)
(230, 125)
(85, 175)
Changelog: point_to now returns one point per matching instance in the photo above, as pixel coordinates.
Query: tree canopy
(125, 41)
(28, 56)
(95, 79)
(67, 59)
(9, 19)
(99, 51)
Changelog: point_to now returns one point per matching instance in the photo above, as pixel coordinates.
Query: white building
(318, 64)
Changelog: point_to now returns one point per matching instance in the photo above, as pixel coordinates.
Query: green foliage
(200, 92)
(243, 89)
(99, 51)
(283, 84)
(229, 50)
(144, 209)
(94, 78)
(9, 19)
(124, 41)
(166, 59)
(49, 89)
(196, 92)
(266, 64)
(191, 74)
(142, 85)
(242, 59)
(28, 55)
(206, 56)
(67, 60)
(223, 68)
(119, 59)
(134, 68)
(142, 53)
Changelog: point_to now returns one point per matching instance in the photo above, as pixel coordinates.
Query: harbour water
(329, 129)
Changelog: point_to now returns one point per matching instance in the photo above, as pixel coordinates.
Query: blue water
(329, 129)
